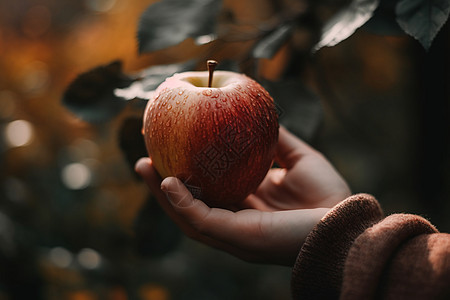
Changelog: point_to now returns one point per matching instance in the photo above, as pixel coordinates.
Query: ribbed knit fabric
(355, 254)
(317, 273)
(372, 251)
(419, 270)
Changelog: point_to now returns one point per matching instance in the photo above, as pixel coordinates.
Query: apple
(216, 134)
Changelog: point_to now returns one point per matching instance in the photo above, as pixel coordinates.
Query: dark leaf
(269, 45)
(91, 95)
(383, 21)
(151, 78)
(346, 22)
(422, 19)
(169, 22)
(298, 107)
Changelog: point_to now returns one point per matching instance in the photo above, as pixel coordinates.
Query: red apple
(219, 140)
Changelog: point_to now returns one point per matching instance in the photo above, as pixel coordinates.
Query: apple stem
(211, 67)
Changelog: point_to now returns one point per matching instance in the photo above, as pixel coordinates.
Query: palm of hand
(307, 180)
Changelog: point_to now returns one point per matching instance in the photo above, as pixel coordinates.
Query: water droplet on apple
(168, 123)
(207, 92)
(180, 93)
(169, 107)
(218, 105)
(178, 102)
(224, 99)
(208, 105)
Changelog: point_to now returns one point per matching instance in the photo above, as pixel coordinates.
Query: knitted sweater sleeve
(355, 253)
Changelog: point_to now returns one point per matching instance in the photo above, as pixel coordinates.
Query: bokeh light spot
(60, 257)
(89, 258)
(205, 39)
(19, 133)
(76, 176)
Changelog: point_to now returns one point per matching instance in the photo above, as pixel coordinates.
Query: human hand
(270, 225)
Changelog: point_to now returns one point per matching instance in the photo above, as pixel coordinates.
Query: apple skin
(220, 141)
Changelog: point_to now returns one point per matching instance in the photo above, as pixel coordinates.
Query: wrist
(292, 229)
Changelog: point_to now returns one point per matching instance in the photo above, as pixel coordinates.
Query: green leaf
(169, 22)
(150, 79)
(299, 108)
(346, 22)
(422, 19)
(91, 95)
(271, 43)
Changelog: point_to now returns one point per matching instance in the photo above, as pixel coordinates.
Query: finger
(200, 222)
(272, 190)
(222, 225)
(290, 148)
(144, 167)
(193, 211)
(249, 234)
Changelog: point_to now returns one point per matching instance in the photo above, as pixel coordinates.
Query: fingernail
(166, 192)
(176, 194)
(142, 164)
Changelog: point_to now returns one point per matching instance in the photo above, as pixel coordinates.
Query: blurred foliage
(168, 23)
(91, 96)
(75, 223)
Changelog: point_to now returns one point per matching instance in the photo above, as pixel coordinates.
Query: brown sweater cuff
(375, 250)
(317, 273)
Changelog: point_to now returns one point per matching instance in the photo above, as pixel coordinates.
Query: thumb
(177, 193)
(194, 212)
